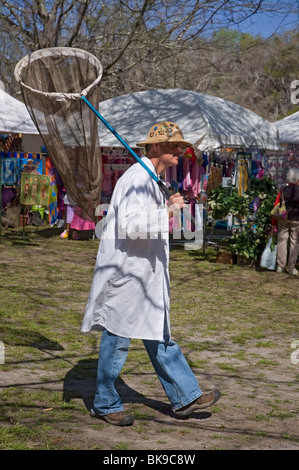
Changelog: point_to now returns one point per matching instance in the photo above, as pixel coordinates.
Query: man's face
(169, 153)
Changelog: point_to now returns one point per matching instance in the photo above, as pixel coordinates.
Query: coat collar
(150, 165)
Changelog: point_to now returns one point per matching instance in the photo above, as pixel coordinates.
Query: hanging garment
(242, 172)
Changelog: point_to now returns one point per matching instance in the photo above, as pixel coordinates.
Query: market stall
(22, 152)
(229, 141)
(218, 129)
(17, 129)
(225, 137)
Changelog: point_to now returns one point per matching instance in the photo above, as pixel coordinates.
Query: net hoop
(58, 51)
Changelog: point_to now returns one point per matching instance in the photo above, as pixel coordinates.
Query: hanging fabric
(243, 165)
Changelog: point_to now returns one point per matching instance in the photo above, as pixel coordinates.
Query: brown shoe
(119, 418)
(205, 400)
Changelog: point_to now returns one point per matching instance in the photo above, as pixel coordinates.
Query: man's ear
(154, 149)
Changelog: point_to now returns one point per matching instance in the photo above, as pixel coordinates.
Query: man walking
(129, 296)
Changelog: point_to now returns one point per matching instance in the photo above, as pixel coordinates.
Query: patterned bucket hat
(163, 132)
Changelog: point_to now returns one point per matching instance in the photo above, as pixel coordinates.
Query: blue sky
(265, 24)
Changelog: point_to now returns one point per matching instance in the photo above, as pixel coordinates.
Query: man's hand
(176, 203)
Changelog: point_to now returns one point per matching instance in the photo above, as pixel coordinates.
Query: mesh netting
(52, 83)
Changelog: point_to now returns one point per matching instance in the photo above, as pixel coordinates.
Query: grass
(234, 324)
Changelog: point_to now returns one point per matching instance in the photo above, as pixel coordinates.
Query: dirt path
(241, 347)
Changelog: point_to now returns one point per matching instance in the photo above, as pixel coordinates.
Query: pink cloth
(107, 181)
(187, 178)
(81, 224)
(195, 177)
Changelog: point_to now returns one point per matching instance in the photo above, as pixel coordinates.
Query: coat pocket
(133, 277)
(118, 284)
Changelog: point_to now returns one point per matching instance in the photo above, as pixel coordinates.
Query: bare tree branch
(154, 43)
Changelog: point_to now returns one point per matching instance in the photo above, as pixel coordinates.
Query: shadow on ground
(80, 383)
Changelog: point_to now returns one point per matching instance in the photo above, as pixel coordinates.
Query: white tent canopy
(220, 123)
(288, 128)
(14, 117)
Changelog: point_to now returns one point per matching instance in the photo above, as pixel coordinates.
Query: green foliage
(224, 201)
(256, 204)
(232, 39)
(248, 243)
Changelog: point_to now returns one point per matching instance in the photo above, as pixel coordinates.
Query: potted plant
(256, 204)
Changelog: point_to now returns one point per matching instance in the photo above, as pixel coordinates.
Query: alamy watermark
(295, 93)
(2, 353)
(126, 222)
(295, 354)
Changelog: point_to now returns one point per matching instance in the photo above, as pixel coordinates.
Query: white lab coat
(129, 295)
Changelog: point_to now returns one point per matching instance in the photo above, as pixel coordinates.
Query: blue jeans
(175, 375)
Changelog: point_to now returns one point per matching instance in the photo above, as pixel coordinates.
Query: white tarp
(14, 117)
(288, 128)
(223, 123)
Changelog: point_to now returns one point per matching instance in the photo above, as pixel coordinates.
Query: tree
(143, 44)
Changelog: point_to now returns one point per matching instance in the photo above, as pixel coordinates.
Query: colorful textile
(34, 189)
(30, 165)
(204, 183)
(51, 171)
(275, 165)
(81, 224)
(114, 163)
(187, 183)
(242, 172)
(292, 157)
(8, 195)
(55, 199)
(9, 171)
(53, 212)
(239, 222)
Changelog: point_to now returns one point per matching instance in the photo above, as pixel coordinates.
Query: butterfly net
(52, 82)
